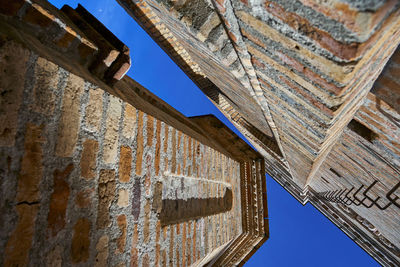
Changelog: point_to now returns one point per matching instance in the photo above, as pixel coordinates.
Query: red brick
(173, 160)
(88, 160)
(68, 127)
(31, 165)
(139, 149)
(59, 200)
(134, 251)
(166, 147)
(121, 240)
(146, 261)
(158, 148)
(84, 198)
(125, 164)
(146, 223)
(80, 241)
(106, 192)
(150, 130)
(18, 246)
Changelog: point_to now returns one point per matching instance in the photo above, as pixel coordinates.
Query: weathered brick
(121, 240)
(80, 241)
(28, 197)
(20, 242)
(166, 147)
(13, 60)
(102, 251)
(150, 130)
(139, 149)
(123, 198)
(194, 241)
(146, 223)
(134, 251)
(46, 80)
(84, 198)
(158, 148)
(31, 165)
(173, 160)
(88, 160)
(125, 164)
(184, 244)
(111, 136)
(106, 191)
(69, 123)
(129, 121)
(147, 179)
(94, 109)
(54, 257)
(158, 233)
(59, 200)
(179, 151)
(146, 260)
(136, 199)
(171, 246)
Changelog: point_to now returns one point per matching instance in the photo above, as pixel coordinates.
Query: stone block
(125, 164)
(80, 241)
(59, 200)
(89, 158)
(102, 251)
(46, 81)
(129, 129)
(123, 198)
(106, 192)
(110, 147)
(94, 109)
(68, 127)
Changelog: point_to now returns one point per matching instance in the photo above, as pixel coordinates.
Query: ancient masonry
(97, 171)
(314, 86)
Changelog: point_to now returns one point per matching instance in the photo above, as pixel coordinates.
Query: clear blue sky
(299, 236)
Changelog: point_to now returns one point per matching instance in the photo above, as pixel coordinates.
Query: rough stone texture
(89, 158)
(121, 241)
(20, 242)
(102, 251)
(94, 109)
(125, 164)
(70, 117)
(82, 165)
(294, 78)
(106, 191)
(84, 198)
(123, 198)
(80, 241)
(46, 74)
(54, 258)
(129, 121)
(31, 166)
(13, 60)
(111, 136)
(59, 200)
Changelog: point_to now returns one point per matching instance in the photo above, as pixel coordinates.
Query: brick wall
(294, 77)
(81, 171)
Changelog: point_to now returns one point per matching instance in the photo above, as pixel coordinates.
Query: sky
(300, 236)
